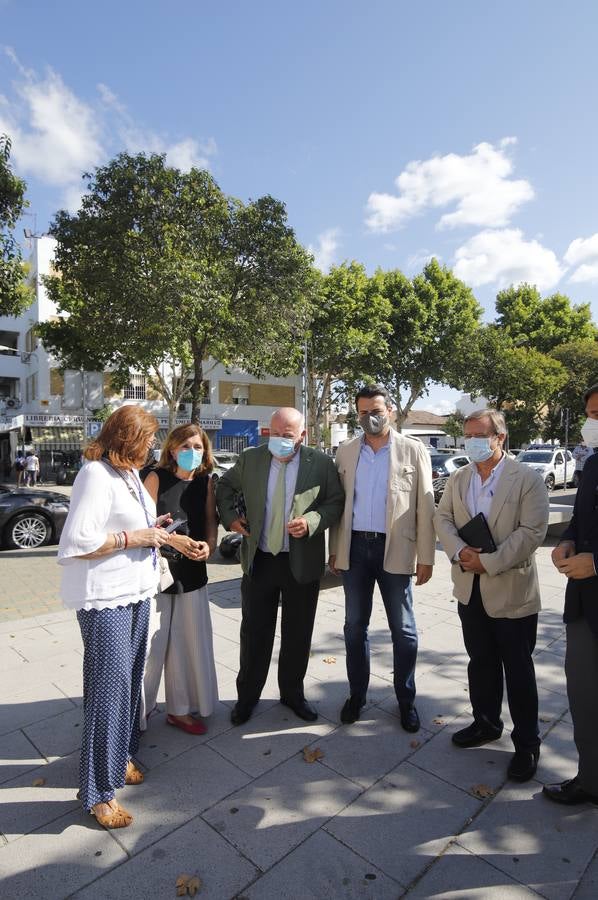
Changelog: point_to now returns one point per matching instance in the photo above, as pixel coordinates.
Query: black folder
(476, 533)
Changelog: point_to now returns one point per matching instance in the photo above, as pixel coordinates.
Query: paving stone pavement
(383, 814)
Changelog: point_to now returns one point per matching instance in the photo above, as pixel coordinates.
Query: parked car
(443, 465)
(30, 517)
(550, 463)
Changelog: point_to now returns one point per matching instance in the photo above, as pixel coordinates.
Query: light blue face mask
(189, 459)
(281, 446)
(478, 448)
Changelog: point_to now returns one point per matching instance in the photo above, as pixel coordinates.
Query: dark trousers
(495, 645)
(581, 668)
(271, 581)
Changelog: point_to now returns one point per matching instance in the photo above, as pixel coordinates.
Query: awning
(57, 438)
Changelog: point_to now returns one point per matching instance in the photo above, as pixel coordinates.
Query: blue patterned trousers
(114, 643)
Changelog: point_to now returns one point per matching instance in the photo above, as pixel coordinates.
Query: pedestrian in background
(180, 636)
(108, 554)
(581, 453)
(31, 469)
(20, 467)
(497, 590)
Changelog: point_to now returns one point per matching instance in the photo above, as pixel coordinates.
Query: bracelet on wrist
(126, 537)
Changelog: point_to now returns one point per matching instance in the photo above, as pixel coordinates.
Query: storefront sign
(206, 424)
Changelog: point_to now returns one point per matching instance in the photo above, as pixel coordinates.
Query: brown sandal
(133, 775)
(117, 817)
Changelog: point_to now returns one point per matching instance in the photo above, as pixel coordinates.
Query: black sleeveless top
(185, 500)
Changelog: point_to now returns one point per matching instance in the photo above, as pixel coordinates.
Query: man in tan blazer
(385, 535)
(498, 592)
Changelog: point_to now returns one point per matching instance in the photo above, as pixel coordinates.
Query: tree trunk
(198, 351)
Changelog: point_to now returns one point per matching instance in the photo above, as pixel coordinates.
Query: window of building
(240, 394)
(8, 343)
(136, 388)
(31, 388)
(30, 341)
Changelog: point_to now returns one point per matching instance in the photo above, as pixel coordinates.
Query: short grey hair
(496, 418)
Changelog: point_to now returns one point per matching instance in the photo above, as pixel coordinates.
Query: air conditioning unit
(13, 403)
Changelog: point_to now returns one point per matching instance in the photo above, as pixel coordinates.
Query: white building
(41, 408)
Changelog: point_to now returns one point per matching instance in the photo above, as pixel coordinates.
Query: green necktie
(277, 523)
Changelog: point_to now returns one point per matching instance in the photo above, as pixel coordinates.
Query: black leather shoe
(301, 708)
(475, 735)
(409, 717)
(568, 792)
(523, 765)
(351, 710)
(241, 712)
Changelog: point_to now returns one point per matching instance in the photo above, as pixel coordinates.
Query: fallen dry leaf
(181, 885)
(330, 660)
(310, 756)
(438, 721)
(482, 791)
(414, 744)
(545, 718)
(193, 885)
(38, 782)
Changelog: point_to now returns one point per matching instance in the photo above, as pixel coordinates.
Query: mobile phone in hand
(178, 523)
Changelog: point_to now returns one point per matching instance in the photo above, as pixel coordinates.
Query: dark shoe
(409, 717)
(301, 708)
(568, 792)
(351, 710)
(241, 712)
(475, 735)
(523, 765)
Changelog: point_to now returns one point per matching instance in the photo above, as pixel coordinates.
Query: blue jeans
(365, 569)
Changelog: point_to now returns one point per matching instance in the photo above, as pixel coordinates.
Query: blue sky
(392, 130)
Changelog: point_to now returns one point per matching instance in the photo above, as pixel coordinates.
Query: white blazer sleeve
(85, 527)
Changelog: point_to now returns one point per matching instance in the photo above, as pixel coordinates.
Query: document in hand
(476, 533)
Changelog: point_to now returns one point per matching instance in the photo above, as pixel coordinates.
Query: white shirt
(101, 504)
(291, 471)
(480, 494)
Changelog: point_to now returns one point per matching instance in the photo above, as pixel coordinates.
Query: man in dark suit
(292, 494)
(576, 556)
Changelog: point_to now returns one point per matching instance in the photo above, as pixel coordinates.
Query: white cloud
(479, 186)
(504, 257)
(325, 252)
(417, 261)
(583, 253)
(56, 135)
(440, 408)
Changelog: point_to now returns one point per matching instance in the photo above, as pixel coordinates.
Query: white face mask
(589, 432)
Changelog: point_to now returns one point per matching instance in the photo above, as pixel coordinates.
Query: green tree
(346, 339)
(160, 267)
(15, 295)
(520, 381)
(454, 426)
(433, 321)
(542, 323)
(580, 361)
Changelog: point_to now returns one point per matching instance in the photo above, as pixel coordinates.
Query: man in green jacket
(291, 495)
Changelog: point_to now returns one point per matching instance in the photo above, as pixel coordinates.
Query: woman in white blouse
(108, 551)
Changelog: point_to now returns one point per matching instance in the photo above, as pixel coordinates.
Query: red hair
(124, 438)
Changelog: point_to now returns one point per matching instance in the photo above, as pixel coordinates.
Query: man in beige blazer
(385, 535)
(498, 592)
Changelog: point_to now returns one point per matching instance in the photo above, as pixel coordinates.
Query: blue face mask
(281, 446)
(478, 448)
(189, 459)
